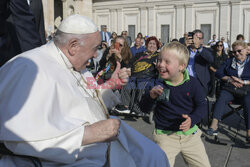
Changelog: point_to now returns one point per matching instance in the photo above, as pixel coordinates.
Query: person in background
(179, 104)
(111, 40)
(241, 37)
(182, 39)
(143, 70)
(143, 42)
(137, 48)
(105, 35)
(36, 7)
(174, 40)
(97, 59)
(110, 57)
(213, 41)
(236, 72)
(248, 49)
(18, 31)
(219, 58)
(200, 59)
(139, 35)
(128, 38)
(225, 44)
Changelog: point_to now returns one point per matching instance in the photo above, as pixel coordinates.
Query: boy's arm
(148, 101)
(200, 103)
(147, 104)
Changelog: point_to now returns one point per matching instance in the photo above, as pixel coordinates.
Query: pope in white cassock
(47, 111)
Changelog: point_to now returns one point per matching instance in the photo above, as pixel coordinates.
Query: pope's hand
(121, 76)
(101, 131)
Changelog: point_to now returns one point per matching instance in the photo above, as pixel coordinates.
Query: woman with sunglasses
(118, 51)
(236, 72)
(219, 57)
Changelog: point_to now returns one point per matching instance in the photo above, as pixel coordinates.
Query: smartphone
(190, 35)
(117, 45)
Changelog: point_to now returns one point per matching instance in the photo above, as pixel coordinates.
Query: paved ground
(234, 154)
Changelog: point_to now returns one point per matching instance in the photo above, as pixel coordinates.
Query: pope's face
(88, 50)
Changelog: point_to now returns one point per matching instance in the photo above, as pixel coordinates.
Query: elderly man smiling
(46, 110)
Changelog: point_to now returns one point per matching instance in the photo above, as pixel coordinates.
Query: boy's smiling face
(169, 66)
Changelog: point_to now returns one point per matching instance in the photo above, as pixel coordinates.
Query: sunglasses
(219, 45)
(239, 51)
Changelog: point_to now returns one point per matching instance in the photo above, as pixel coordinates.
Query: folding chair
(235, 108)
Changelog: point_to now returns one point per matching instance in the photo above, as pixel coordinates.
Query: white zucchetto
(77, 24)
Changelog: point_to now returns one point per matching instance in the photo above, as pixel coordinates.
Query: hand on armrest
(102, 131)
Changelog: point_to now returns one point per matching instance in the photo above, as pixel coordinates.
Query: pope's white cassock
(44, 106)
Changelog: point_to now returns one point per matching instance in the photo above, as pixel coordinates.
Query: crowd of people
(56, 99)
(212, 65)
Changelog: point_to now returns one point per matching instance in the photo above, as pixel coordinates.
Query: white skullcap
(77, 24)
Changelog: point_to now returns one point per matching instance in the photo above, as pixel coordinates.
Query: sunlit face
(240, 53)
(142, 42)
(214, 37)
(169, 66)
(104, 29)
(138, 42)
(87, 51)
(248, 49)
(114, 35)
(198, 39)
(152, 46)
(219, 47)
(121, 42)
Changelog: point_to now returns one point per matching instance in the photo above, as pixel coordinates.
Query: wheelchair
(5, 151)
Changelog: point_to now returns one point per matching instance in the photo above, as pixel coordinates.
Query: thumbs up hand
(121, 76)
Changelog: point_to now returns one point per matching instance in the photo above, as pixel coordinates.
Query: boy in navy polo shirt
(180, 105)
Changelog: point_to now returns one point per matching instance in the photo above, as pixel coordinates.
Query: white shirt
(211, 42)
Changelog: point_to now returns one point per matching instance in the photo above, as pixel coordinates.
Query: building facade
(166, 19)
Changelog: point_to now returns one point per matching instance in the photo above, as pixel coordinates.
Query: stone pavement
(232, 132)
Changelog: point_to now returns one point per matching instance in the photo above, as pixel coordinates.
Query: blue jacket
(227, 69)
(201, 65)
(134, 50)
(109, 34)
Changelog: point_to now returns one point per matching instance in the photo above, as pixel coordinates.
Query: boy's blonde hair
(179, 50)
